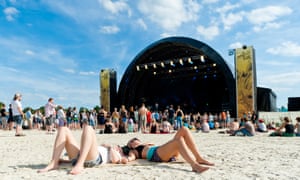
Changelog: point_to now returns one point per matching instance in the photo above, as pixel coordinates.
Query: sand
(258, 157)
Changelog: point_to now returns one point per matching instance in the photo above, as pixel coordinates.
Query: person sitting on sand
(246, 130)
(261, 126)
(88, 154)
(287, 125)
(165, 126)
(233, 126)
(297, 126)
(181, 144)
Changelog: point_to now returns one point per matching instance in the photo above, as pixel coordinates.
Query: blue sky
(56, 48)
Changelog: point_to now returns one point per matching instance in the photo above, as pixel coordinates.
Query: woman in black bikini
(180, 144)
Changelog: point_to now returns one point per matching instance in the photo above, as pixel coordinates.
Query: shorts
(90, 163)
(18, 119)
(49, 121)
(101, 121)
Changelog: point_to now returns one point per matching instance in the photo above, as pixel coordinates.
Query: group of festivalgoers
(145, 119)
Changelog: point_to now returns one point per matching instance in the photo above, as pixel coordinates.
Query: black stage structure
(179, 71)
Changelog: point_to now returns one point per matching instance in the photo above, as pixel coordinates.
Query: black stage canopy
(179, 71)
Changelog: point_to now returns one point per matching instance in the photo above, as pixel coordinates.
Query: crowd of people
(145, 119)
(56, 119)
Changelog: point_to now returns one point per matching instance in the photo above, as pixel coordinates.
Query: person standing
(3, 114)
(179, 115)
(142, 117)
(17, 113)
(50, 114)
(10, 120)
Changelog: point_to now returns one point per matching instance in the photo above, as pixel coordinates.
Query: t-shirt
(104, 154)
(15, 105)
(262, 126)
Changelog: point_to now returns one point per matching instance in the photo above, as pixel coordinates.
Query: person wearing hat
(17, 113)
(261, 126)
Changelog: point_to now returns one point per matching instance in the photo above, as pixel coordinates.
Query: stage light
(154, 73)
(190, 60)
(180, 61)
(154, 66)
(146, 66)
(214, 65)
(162, 64)
(195, 67)
(202, 58)
(138, 68)
(172, 63)
(170, 71)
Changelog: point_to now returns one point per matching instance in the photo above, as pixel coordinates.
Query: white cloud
(230, 19)
(263, 18)
(208, 33)
(227, 7)
(116, 6)
(286, 49)
(235, 45)
(142, 23)
(169, 14)
(71, 71)
(29, 52)
(209, 1)
(288, 79)
(109, 29)
(88, 73)
(10, 13)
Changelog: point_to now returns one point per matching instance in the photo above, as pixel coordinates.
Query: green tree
(1, 105)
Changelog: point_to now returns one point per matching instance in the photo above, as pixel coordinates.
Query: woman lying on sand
(89, 154)
(179, 145)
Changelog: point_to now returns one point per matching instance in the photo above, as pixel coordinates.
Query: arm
(130, 157)
(115, 156)
(281, 127)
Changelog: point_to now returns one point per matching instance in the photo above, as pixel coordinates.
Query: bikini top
(139, 149)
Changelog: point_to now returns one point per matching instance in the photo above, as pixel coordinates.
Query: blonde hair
(16, 96)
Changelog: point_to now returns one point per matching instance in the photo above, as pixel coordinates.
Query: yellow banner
(245, 80)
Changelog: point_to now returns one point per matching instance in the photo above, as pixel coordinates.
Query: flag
(231, 52)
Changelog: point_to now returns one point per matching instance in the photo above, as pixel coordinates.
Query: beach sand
(258, 157)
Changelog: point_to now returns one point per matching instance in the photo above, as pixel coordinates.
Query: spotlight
(154, 66)
(180, 61)
(190, 60)
(138, 68)
(170, 71)
(202, 58)
(214, 65)
(172, 63)
(146, 66)
(195, 67)
(162, 64)
(154, 73)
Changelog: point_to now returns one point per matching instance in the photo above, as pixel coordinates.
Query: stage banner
(105, 90)
(245, 73)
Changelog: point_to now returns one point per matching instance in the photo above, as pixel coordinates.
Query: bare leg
(172, 148)
(88, 149)
(188, 138)
(64, 139)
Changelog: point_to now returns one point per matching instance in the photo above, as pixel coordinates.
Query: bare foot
(199, 169)
(76, 170)
(204, 162)
(51, 166)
